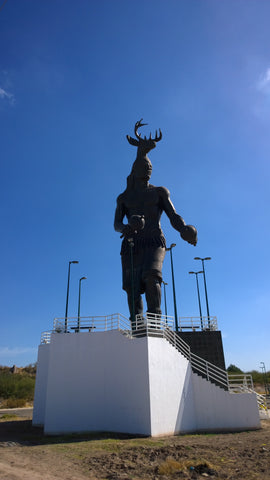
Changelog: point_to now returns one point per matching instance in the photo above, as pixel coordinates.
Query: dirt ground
(26, 454)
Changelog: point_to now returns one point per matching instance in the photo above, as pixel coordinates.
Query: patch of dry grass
(171, 466)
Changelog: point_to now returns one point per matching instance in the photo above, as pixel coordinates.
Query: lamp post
(198, 292)
(79, 304)
(266, 385)
(206, 297)
(131, 245)
(169, 249)
(66, 314)
(165, 301)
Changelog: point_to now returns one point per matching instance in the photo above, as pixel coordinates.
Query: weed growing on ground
(200, 466)
(8, 416)
(170, 466)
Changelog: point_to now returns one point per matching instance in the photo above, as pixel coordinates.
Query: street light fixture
(205, 289)
(198, 291)
(169, 249)
(165, 301)
(79, 304)
(66, 314)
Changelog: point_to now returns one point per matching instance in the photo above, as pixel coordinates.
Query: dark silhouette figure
(143, 204)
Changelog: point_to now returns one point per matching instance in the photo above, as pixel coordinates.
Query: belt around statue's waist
(142, 242)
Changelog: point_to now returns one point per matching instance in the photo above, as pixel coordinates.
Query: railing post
(207, 372)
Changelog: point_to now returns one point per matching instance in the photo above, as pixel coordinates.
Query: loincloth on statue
(148, 256)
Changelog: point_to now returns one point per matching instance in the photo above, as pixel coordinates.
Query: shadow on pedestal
(206, 344)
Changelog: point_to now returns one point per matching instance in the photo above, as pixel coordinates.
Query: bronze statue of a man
(143, 204)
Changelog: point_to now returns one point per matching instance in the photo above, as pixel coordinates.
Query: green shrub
(234, 369)
(17, 386)
(31, 369)
(258, 377)
(15, 402)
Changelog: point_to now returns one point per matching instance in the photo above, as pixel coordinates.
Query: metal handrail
(46, 337)
(244, 380)
(243, 383)
(101, 323)
(197, 323)
(151, 322)
(198, 364)
(178, 343)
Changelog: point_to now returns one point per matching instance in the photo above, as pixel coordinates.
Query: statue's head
(142, 168)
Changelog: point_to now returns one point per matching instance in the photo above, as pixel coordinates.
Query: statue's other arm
(187, 232)
(120, 213)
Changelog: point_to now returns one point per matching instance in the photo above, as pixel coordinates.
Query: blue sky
(74, 79)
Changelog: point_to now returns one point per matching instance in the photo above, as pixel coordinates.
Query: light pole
(131, 245)
(79, 304)
(206, 297)
(198, 291)
(165, 301)
(66, 314)
(169, 249)
(266, 385)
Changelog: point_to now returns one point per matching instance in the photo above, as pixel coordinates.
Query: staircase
(199, 366)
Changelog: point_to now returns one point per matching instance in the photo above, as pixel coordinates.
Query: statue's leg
(132, 283)
(138, 304)
(152, 277)
(153, 293)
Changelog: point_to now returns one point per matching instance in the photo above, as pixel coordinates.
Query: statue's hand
(127, 231)
(189, 234)
(135, 223)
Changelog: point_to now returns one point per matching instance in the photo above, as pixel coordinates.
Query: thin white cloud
(263, 84)
(6, 95)
(7, 351)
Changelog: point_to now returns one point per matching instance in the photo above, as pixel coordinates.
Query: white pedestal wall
(41, 384)
(105, 381)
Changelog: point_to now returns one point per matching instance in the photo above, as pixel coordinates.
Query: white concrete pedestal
(106, 381)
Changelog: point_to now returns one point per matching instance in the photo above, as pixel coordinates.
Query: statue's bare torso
(148, 202)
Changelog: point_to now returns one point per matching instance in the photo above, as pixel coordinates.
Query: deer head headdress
(144, 144)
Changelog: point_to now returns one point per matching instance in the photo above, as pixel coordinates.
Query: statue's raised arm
(187, 232)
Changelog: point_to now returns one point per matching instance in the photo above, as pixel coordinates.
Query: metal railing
(240, 382)
(116, 321)
(101, 323)
(151, 323)
(200, 366)
(178, 343)
(198, 323)
(243, 383)
(46, 337)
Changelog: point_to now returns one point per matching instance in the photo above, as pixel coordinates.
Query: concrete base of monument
(108, 381)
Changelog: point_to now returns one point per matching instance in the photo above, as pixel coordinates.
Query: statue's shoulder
(121, 198)
(163, 192)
